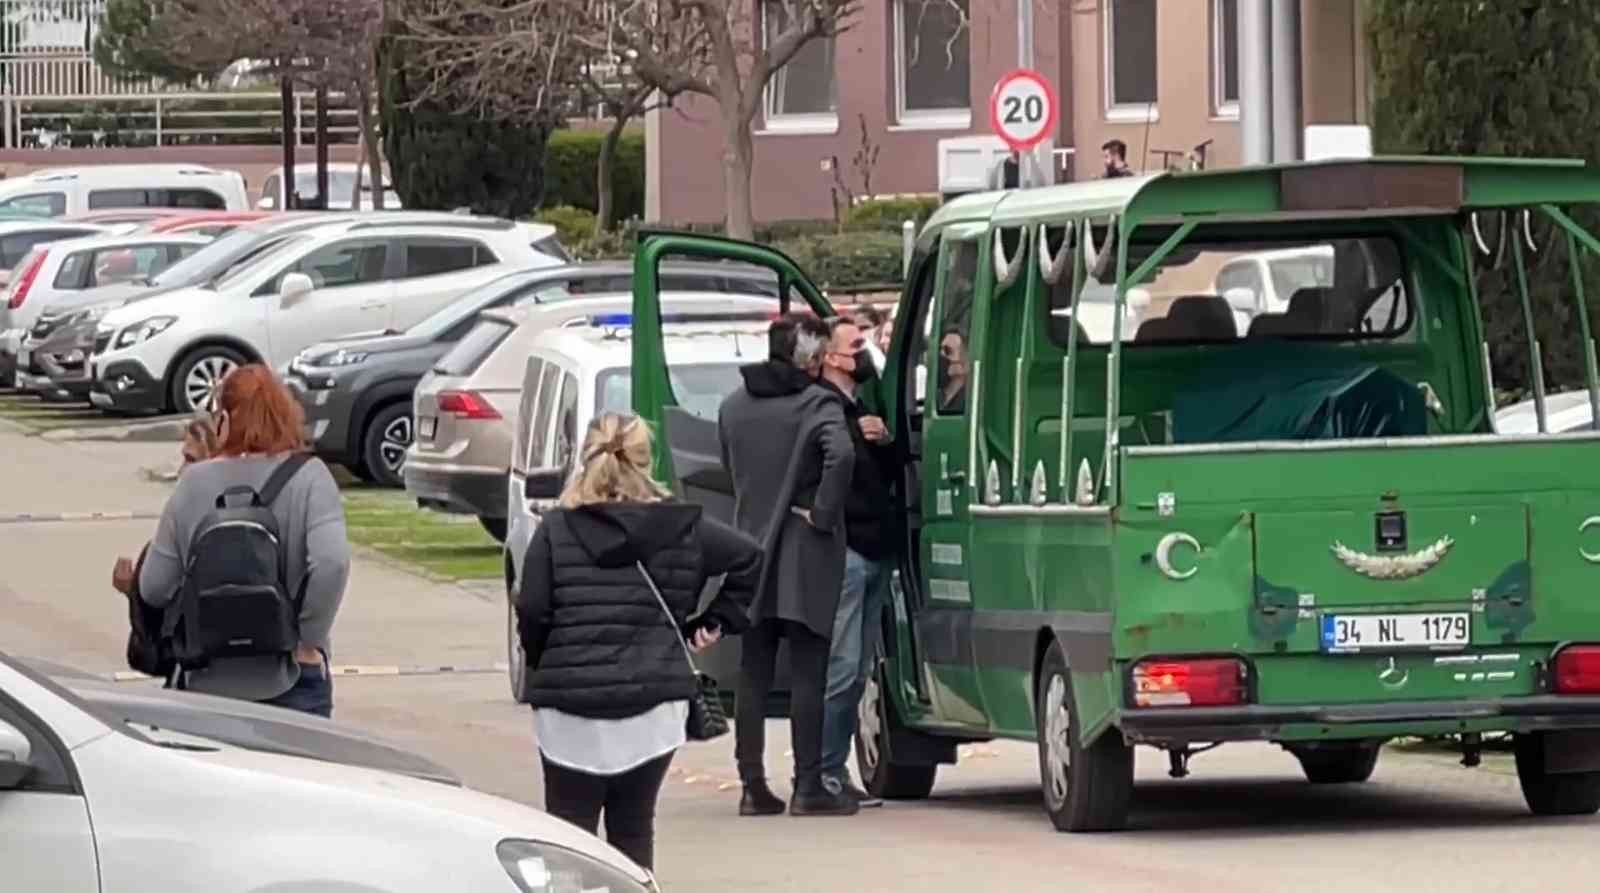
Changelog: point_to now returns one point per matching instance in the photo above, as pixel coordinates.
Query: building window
(1225, 58)
(933, 64)
(1130, 60)
(803, 94)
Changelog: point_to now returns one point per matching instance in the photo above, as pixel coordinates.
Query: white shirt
(610, 746)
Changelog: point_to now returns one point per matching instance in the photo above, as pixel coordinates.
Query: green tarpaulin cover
(1299, 404)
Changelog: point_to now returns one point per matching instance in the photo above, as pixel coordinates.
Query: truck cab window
(954, 330)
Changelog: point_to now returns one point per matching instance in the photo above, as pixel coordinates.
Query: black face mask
(864, 370)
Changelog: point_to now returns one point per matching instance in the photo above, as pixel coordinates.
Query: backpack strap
(280, 477)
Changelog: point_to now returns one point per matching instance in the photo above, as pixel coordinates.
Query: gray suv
(357, 391)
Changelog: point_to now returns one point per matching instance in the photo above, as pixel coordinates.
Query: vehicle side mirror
(545, 483)
(294, 287)
(267, 203)
(16, 756)
(1241, 299)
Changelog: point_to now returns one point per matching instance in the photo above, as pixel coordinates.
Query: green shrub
(893, 211)
(573, 225)
(572, 164)
(847, 260)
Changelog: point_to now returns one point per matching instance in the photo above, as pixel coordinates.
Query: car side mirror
(16, 756)
(545, 483)
(267, 203)
(294, 287)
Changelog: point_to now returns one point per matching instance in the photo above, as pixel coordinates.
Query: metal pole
(1590, 373)
(1285, 72)
(1535, 361)
(290, 125)
(158, 122)
(322, 150)
(908, 246)
(1255, 85)
(1070, 362)
(1027, 162)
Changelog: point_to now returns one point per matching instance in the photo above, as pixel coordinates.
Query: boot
(814, 798)
(758, 799)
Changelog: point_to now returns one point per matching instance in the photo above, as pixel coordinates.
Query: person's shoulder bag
(706, 717)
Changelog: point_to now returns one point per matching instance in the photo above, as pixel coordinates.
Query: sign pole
(1027, 161)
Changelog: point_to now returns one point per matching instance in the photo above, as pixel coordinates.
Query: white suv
(169, 352)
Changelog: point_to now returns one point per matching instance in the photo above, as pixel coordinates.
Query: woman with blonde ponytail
(608, 679)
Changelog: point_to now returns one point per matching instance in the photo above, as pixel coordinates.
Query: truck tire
(1551, 793)
(881, 775)
(1338, 763)
(516, 660)
(1086, 788)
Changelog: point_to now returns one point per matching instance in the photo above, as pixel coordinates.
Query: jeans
(628, 799)
(808, 673)
(852, 655)
(313, 693)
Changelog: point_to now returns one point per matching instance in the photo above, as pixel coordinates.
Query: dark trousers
(808, 676)
(628, 799)
(312, 693)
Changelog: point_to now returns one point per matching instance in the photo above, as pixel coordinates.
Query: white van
(57, 192)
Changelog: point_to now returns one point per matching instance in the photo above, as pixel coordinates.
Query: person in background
(872, 323)
(610, 683)
(952, 372)
(785, 444)
(1115, 154)
(869, 521)
(258, 425)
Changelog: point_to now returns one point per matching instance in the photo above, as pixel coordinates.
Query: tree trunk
(738, 161)
(606, 173)
(370, 138)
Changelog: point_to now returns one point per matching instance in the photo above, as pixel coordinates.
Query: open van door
(688, 452)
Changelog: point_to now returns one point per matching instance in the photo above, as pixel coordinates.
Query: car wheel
(881, 775)
(516, 658)
(1086, 788)
(1553, 793)
(384, 444)
(495, 527)
(1343, 763)
(199, 376)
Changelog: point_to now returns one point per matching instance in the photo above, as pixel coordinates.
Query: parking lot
(424, 655)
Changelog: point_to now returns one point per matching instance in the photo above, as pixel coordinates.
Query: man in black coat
(785, 444)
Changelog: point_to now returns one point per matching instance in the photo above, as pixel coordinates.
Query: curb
(168, 430)
(57, 517)
(364, 670)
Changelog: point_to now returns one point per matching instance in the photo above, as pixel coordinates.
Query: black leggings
(629, 801)
(808, 676)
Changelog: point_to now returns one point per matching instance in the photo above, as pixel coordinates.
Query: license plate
(426, 425)
(1380, 632)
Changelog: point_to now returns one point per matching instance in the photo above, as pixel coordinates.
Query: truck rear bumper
(1261, 722)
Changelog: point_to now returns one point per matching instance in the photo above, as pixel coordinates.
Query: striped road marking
(56, 517)
(368, 670)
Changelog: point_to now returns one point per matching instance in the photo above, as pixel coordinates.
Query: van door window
(954, 331)
(202, 199)
(567, 422)
(539, 451)
(50, 204)
(118, 198)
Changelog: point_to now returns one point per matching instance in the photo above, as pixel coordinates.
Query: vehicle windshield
(245, 265)
(699, 387)
(446, 323)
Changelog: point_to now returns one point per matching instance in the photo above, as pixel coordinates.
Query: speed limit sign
(1023, 110)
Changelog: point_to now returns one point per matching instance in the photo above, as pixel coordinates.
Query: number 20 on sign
(1023, 109)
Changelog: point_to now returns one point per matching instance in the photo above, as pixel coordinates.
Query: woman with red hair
(260, 427)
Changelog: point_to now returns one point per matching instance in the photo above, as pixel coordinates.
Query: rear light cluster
(1209, 682)
(1577, 670)
(25, 282)
(466, 405)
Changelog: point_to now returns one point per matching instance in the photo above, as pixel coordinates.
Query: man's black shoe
(844, 786)
(758, 799)
(823, 802)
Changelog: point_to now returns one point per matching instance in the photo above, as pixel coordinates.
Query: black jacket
(869, 511)
(596, 640)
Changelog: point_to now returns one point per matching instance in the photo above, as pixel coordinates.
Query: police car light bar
(625, 320)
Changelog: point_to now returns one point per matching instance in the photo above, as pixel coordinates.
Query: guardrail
(167, 119)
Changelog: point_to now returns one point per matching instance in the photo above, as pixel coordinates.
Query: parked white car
(341, 185)
(1263, 282)
(1564, 412)
(93, 803)
(170, 351)
(55, 192)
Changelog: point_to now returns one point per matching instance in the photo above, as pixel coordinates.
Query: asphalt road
(1244, 821)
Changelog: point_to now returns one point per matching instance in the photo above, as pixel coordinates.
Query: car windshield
(244, 265)
(494, 294)
(699, 387)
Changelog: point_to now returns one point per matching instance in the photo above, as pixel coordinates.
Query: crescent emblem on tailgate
(1393, 567)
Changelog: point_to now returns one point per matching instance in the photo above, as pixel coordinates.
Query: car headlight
(144, 330)
(340, 358)
(92, 314)
(543, 868)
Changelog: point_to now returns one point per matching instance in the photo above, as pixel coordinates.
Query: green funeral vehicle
(1206, 457)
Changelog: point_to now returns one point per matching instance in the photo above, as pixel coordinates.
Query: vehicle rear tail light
(467, 405)
(1578, 670)
(25, 282)
(1212, 682)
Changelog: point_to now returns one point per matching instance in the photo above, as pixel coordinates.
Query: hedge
(573, 225)
(834, 260)
(572, 163)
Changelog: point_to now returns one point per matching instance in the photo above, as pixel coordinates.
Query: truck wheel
(1086, 788)
(1552, 793)
(1338, 763)
(881, 775)
(384, 444)
(516, 659)
(199, 376)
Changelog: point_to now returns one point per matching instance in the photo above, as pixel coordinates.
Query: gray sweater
(311, 524)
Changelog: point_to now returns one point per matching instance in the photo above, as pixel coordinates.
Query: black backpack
(148, 652)
(235, 600)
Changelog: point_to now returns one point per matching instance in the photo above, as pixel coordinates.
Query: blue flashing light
(611, 319)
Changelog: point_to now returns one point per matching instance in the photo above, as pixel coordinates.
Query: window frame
(775, 121)
(1223, 108)
(924, 119)
(1126, 112)
(271, 284)
(482, 255)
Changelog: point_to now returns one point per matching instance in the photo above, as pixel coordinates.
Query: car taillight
(1578, 670)
(25, 282)
(1211, 682)
(467, 405)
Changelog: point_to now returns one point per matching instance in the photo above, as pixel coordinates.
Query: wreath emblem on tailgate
(1393, 567)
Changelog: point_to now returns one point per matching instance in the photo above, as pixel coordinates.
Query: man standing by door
(869, 539)
(785, 444)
